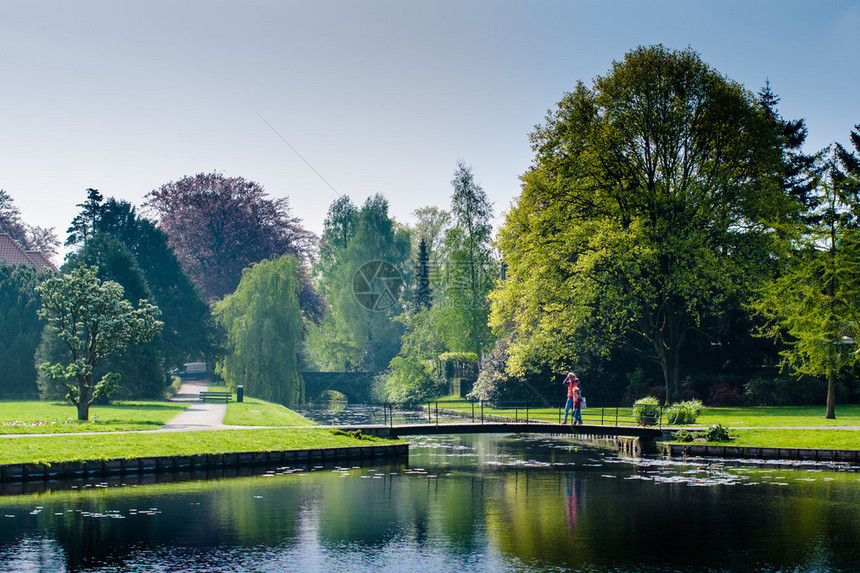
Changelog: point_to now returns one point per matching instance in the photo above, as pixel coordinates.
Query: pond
(461, 503)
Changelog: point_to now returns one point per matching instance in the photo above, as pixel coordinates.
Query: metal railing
(528, 411)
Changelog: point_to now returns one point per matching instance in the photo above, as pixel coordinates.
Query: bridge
(640, 439)
(356, 386)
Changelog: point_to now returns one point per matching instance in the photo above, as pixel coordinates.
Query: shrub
(684, 412)
(724, 394)
(646, 411)
(717, 433)
(783, 391)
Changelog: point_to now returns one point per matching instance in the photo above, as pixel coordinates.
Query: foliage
(29, 237)
(220, 225)
(683, 412)
(361, 259)
(724, 394)
(264, 329)
(646, 411)
(784, 391)
(469, 270)
(813, 306)
(93, 320)
(19, 303)
(407, 381)
(717, 433)
(649, 206)
(459, 356)
(140, 366)
(190, 332)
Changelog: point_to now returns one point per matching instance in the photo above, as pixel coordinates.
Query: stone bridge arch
(356, 386)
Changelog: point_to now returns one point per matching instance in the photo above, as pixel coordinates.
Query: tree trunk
(831, 395)
(83, 400)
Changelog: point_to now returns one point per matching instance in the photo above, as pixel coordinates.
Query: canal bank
(98, 469)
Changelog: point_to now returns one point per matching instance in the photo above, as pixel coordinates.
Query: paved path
(199, 415)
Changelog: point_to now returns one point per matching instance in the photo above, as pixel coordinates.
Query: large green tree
(651, 200)
(141, 366)
(264, 327)
(361, 276)
(813, 305)
(93, 320)
(469, 270)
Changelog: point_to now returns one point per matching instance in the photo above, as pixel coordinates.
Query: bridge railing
(525, 411)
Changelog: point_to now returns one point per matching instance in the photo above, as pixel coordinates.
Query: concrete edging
(166, 464)
(755, 452)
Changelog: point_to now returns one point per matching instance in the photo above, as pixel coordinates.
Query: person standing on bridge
(572, 383)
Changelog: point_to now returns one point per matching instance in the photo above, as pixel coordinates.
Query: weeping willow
(263, 323)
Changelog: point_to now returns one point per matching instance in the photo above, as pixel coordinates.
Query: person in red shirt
(572, 383)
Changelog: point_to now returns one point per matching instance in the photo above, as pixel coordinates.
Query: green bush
(717, 433)
(646, 411)
(784, 391)
(684, 412)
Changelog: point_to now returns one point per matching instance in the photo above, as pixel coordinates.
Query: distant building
(11, 253)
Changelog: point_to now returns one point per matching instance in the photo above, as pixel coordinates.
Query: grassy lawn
(787, 416)
(255, 412)
(36, 417)
(800, 438)
(131, 445)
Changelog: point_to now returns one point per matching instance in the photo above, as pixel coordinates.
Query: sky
(321, 98)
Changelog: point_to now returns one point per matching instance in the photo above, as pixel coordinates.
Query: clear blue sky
(378, 96)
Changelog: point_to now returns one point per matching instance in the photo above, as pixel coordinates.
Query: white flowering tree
(93, 320)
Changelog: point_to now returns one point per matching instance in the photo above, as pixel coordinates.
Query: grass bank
(256, 412)
(37, 417)
(48, 449)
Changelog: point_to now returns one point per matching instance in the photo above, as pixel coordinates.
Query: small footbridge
(613, 422)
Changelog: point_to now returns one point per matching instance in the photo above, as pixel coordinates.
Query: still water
(461, 503)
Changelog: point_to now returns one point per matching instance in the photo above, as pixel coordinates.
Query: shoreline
(58, 472)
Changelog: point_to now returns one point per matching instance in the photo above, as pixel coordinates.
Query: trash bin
(240, 393)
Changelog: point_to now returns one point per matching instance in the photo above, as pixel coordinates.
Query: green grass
(47, 449)
(779, 416)
(255, 412)
(36, 417)
(797, 438)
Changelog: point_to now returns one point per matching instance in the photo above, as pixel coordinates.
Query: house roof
(11, 253)
(42, 261)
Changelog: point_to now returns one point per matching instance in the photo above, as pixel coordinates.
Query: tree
(85, 223)
(220, 225)
(651, 200)
(189, 332)
(470, 271)
(813, 307)
(264, 328)
(362, 281)
(29, 237)
(141, 366)
(19, 303)
(93, 320)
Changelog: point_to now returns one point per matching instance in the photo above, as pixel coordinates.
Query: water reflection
(462, 503)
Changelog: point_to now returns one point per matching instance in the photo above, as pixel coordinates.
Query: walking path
(199, 415)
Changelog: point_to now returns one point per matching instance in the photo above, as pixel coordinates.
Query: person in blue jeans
(572, 383)
(577, 406)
